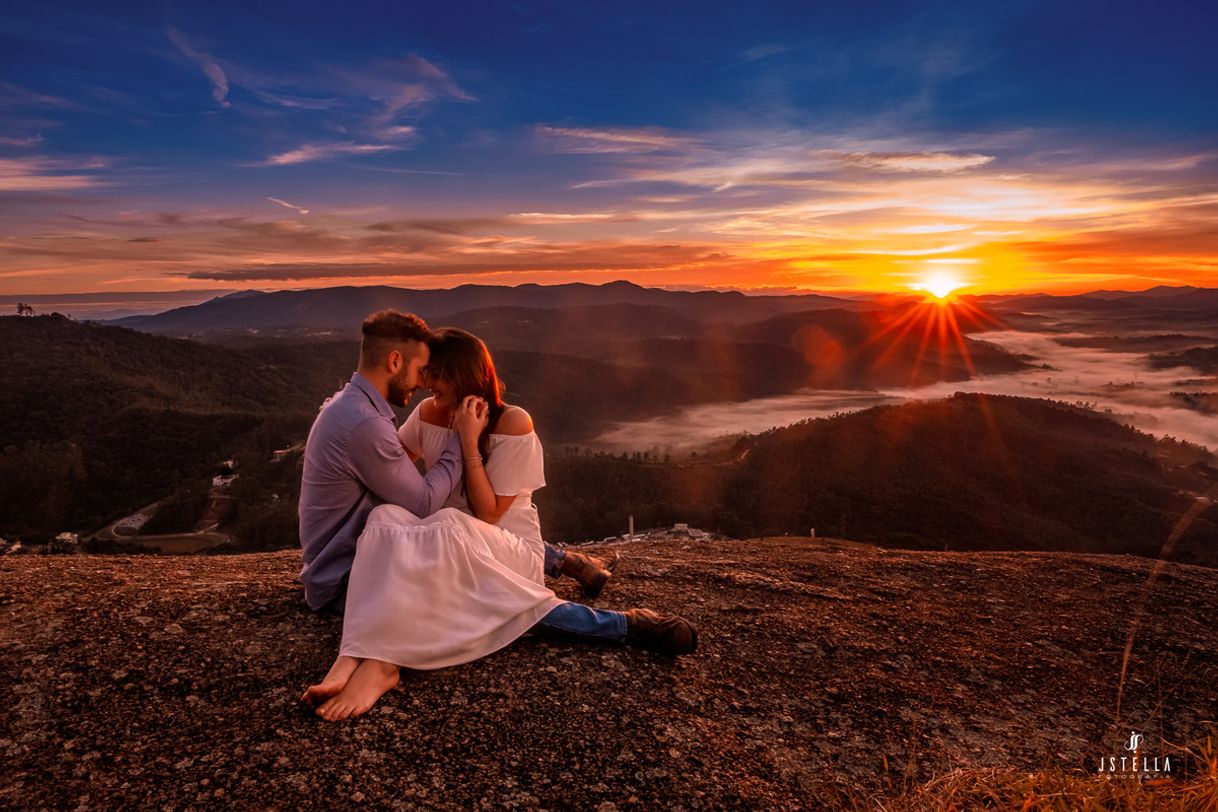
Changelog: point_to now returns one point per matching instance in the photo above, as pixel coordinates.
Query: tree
(24, 309)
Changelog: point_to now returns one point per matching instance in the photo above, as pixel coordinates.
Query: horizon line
(118, 296)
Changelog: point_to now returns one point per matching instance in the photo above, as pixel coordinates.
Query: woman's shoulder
(514, 422)
(428, 413)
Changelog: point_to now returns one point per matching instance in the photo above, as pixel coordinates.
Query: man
(354, 461)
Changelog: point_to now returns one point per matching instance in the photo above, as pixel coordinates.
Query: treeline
(1202, 359)
(972, 472)
(96, 422)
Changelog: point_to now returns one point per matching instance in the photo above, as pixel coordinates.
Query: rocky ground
(826, 671)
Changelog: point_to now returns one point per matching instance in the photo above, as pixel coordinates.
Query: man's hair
(387, 331)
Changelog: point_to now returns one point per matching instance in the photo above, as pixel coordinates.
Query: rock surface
(826, 671)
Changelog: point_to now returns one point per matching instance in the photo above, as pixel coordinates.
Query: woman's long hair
(462, 361)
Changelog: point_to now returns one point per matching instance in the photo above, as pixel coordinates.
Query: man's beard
(399, 392)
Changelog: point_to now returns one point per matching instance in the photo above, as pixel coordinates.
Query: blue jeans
(576, 622)
(554, 559)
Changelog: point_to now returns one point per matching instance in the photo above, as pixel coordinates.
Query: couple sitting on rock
(438, 569)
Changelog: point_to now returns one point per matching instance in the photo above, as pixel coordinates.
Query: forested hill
(62, 375)
(971, 472)
(96, 420)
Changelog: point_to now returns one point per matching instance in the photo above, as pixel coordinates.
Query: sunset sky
(831, 146)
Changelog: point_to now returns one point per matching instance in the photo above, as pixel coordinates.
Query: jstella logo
(1136, 763)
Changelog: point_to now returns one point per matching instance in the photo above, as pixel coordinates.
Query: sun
(939, 284)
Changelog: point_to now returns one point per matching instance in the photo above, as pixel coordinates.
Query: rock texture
(826, 672)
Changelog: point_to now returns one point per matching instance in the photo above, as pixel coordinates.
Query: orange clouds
(728, 209)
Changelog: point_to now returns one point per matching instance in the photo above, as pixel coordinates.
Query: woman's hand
(469, 420)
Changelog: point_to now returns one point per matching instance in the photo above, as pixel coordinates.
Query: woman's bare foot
(334, 681)
(371, 680)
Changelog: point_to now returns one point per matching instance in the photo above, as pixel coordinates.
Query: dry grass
(1194, 790)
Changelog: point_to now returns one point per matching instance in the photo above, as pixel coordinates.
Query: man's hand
(469, 421)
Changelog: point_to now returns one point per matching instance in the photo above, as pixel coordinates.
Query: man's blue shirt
(354, 461)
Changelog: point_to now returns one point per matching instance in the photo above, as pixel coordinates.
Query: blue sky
(155, 146)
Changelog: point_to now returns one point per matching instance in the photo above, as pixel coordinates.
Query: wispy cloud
(558, 218)
(761, 52)
(211, 68)
(287, 205)
(395, 170)
(376, 108)
(449, 225)
(581, 139)
(302, 91)
(27, 141)
(399, 86)
(37, 174)
(308, 153)
(508, 260)
(916, 161)
(395, 132)
(12, 95)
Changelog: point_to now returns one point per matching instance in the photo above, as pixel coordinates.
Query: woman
(468, 580)
(497, 488)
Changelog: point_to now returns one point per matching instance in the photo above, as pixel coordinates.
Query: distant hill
(587, 329)
(972, 472)
(1202, 359)
(1202, 402)
(829, 348)
(1046, 301)
(345, 307)
(1183, 299)
(897, 347)
(1157, 292)
(1138, 343)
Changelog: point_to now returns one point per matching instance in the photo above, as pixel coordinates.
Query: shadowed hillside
(827, 675)
(97, 421)
(971, 472)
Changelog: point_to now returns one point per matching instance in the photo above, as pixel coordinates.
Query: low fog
(1122, 383)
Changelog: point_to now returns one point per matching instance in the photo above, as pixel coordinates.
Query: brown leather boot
(590, 572)
(665, 634)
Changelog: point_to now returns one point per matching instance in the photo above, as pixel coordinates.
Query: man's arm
(381, 463)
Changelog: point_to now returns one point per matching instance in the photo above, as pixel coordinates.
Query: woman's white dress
(450, 588)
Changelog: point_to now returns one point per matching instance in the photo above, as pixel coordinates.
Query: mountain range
(1183, 298)
(343, 308)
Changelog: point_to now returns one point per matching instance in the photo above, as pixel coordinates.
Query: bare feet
(371, 680)
(334, 681)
